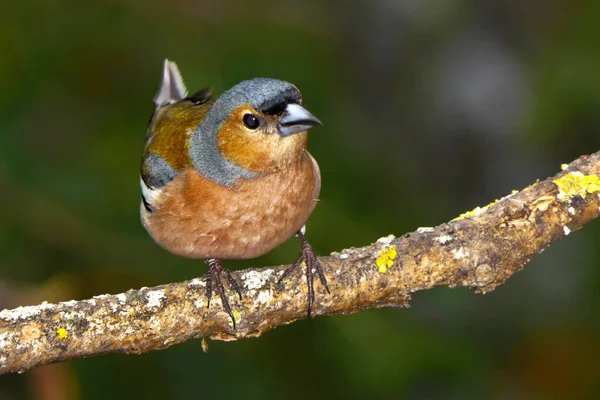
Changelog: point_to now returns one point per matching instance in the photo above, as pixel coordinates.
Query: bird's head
(260, 124)
(256, 127)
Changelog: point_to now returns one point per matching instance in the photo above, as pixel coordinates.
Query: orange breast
(197, 218)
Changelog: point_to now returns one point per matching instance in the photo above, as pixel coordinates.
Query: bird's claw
(308, 256)
(216, 271)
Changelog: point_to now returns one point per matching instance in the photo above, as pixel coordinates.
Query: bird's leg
(307, 255)
(216, 271)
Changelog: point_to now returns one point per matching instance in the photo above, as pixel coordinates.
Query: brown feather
(172, 127)
(198, 218)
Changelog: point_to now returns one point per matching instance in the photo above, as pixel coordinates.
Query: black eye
(251, 121)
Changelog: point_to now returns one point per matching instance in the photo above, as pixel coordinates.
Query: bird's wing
(175, 117)
(166, 154)
(156, 173)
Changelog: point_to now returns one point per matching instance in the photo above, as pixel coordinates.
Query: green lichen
(576, 184)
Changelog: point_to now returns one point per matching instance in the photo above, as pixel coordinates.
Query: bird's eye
(251, 121)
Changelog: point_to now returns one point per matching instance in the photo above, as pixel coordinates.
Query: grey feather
(157, 171)
(262, 94)
(172, 88)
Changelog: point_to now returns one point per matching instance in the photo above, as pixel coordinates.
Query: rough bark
(480, 249)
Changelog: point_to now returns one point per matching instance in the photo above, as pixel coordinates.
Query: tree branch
(480, 249)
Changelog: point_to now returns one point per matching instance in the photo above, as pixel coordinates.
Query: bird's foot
(307, 255)
(216, 271)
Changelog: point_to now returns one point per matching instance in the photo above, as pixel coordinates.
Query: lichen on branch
(480, 249)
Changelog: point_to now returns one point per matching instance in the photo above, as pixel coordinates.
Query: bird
(230, 177)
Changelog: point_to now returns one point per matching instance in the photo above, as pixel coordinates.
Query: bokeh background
(430, 109)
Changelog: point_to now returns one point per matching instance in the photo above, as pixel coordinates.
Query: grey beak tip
(296, 119)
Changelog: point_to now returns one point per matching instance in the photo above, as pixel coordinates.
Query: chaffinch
(229, 178)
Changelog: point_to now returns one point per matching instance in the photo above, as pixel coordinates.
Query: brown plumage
(229, 178)
(170, 129)
(197, 218)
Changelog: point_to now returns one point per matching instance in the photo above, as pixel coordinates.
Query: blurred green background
(430, 108)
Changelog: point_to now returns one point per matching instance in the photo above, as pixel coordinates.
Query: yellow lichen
(572, 184)
(473, 213)
(493, 202)
(576, 184)
(237, 315)
(563, 166)
(62, 333)
(476, 211)
(386, 258)
(169, 340)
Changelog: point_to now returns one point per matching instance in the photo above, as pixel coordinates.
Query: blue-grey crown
(266, 95)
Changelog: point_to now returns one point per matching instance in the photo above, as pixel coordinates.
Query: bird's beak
(296, 119)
